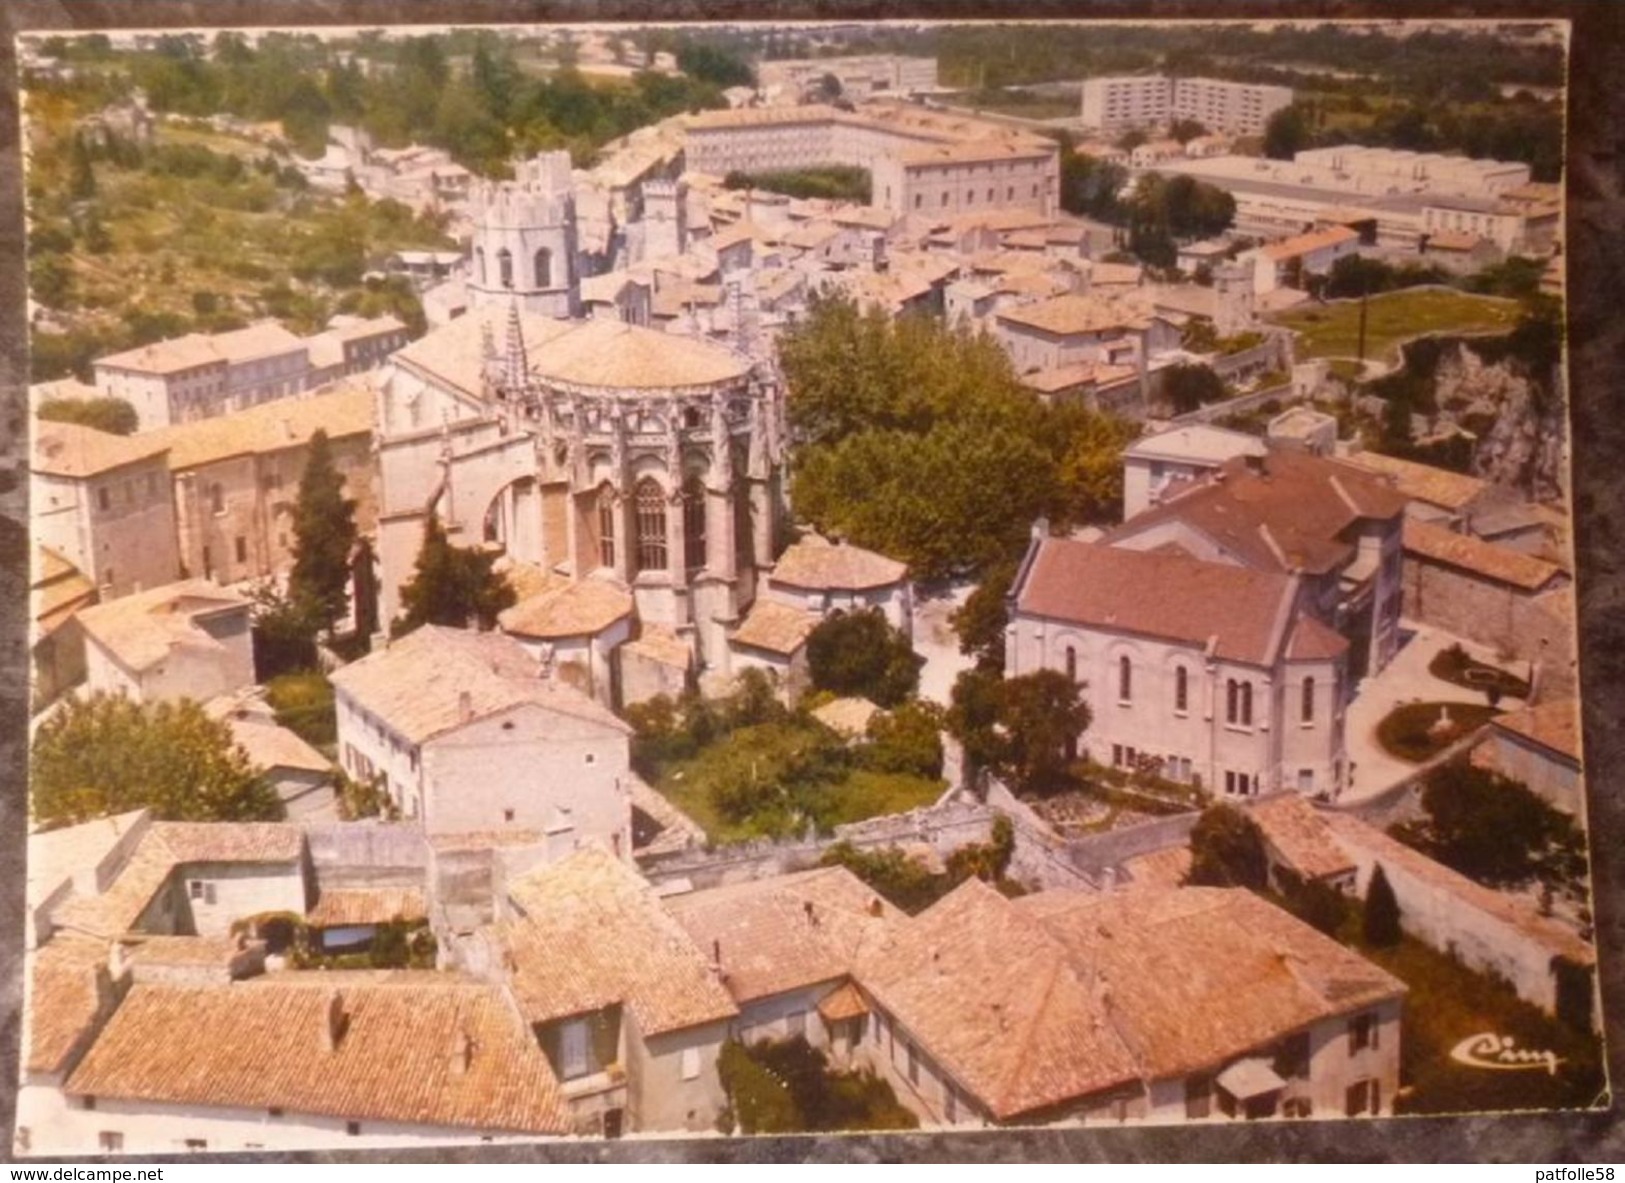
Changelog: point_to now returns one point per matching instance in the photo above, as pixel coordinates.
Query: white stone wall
(672, 1078)
(216, 894)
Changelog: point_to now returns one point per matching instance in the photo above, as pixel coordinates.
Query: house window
(1362, 1098)
(1198, 1097)
(693, 523)
(274, 1111)
(110, 1141)
(1181, 690)
(1117, 755)
(241, 546)
(1125, 680)
(651, 514)
(1308, 711)
(606, 528)
(574, 1049)
(544, 268)
(505, 267)
(107, 577)
(1297, 1107)
(1306, 780)
(1292, 1057)
(689, 1063)
(1362, 1033)
(1071, 664)
(1238, 703)
(104, 498)
(353, 1128)
(507, 815)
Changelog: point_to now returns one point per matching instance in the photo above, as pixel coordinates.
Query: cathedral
(583, 449)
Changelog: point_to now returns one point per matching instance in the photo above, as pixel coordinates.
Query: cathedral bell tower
(525, 248)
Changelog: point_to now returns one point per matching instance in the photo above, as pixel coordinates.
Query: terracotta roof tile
(582, 608)
(341, 906)
(63, 1003)
(1070, 315)
(1424, 482)
(421, 684)
(141, 630)
(775, 628)
(1298, 832)
(593, 934)
(844, 1002)
(1303, 244)
(1311, 640)
(1475, 556)
(343, 409)
(817, 564)
(1242, 611)
(269, 746)
(399, 1057)
(786, 932)
(71, 450)
(1554, 725)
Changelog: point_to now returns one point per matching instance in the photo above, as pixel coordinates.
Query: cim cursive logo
(1499, 1053)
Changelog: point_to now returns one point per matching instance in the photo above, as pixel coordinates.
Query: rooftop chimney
(465, 705)
(334, 1022)
(812, 913)
(462, 1054)
(716, 958)
(876, 908)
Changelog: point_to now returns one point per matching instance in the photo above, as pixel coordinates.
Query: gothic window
(1308, 700)
(1246, 704)
(1232, 701)
(544, 268)
(479, 262)
(505, 267)
(651, 511)
(1071, 664)
(606, 528)
(1125, 679)
(693, 523)
(1182, 696)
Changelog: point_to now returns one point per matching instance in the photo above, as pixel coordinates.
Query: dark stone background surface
(1596, 248)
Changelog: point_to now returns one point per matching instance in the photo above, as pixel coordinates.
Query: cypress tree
(324, 534)
(1381, 919)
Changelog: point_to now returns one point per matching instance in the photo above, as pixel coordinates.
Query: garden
(1456, 666)
(789, 1087)
(1333, 330)
(1418, 731)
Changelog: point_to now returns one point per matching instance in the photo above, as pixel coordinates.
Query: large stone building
(860, 77)
(525, 245)
(592, 448)
(920, 161)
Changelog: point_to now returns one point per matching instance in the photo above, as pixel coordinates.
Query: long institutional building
(920, 161)
(1120, 102)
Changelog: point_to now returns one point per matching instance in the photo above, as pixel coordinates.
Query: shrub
(761, 1102)
(860, 653)
(1380, 922)
(1227, 850)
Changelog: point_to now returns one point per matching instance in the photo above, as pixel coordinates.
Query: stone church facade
(593, 450)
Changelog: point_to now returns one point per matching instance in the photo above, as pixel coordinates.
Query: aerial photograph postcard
(594, 582)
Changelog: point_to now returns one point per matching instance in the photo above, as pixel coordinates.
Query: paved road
(935, 640)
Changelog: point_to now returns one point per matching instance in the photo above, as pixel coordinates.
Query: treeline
(831, 182)
(415, 89)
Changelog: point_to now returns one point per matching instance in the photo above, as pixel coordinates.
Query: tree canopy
(860, 653)
(452, 585)
(324, 535)
(1227, 850)
(110, 414)
(1188, 386)
(108, 753)
(1024, 730)
(918, 440)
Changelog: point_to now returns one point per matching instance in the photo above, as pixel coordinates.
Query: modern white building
(1154, 462)
(1120, 102)
(1208, 672)
(465, 733)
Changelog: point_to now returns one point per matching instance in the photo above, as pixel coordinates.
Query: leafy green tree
(973, 715)
(1042, 715)
(1227, 850)
(860, 653)
(714, 64)
(1187, 387)
(51, 278)
(108, 753)
(324, 536)
(1380, 920)
(1287, 133)
(980, 622)
(907, 739)
(284, 632)
(104, 413)
(1186, 130)
(1313, 901)
(452, 585)
(1092, 187)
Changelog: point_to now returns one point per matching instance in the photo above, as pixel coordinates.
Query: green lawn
(791, 784)
(1407, 731)
(1333, 330)
(1446, 1004)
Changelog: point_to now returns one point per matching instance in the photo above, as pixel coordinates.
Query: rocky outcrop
(1521, 422)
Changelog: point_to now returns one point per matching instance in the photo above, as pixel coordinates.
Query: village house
(787, 947)
(182, 640)
(1154, 462)
(301, 777)
(1540, 747)
(575, 627)
(1489, 931)
(1213, 673)
(773, 637)
(629, 1012)
(56, 642)
(1332, 525)
(102, 503)
(236, 478)
(199, 375)
(826, 577)
(1435, 495)
(1288, 264)
(1077, 1008)
(466, 732)
(1072, 329)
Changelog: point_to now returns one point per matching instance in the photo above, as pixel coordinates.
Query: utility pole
(1365, 292)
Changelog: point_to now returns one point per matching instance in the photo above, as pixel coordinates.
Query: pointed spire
(516, 370)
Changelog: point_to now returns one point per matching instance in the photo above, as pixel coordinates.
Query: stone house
(773, 637)
(1154, 462)
(1334, 526)
(102, 502)
(1540, 746)
(1436, 495)
(236, 478)
(183, 640)
(1217, 674)
(467, 733)
(786, 947)
(576, 627)
(57, 592)
(1076, 1007)
(629, 1012)
(825, 577)
(201, 375)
